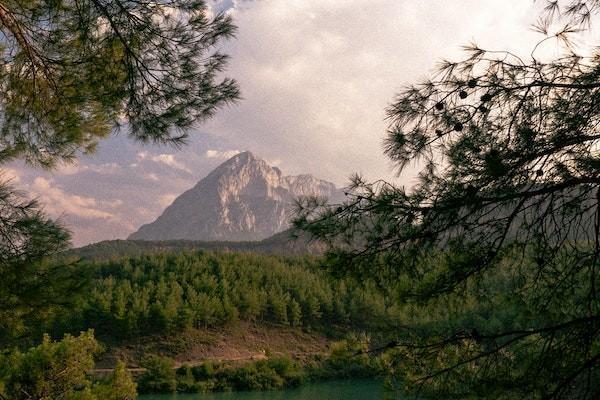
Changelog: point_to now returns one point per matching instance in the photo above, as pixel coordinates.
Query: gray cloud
(316, 76)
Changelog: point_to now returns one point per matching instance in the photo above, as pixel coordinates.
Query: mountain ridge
(242, 199)
(288, 242)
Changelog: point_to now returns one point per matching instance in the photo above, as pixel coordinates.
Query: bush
(271, 374)
(186, 382)
(348, 359)
(258, 376)
(203, 371)
(117, 386)
(159, 377)
(59, 370)
(289, 370)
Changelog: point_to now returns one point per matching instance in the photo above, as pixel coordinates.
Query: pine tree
(73, 69)
(52, 370)
(496, 249)
(71, 73)
(118, 386)
(294, 313)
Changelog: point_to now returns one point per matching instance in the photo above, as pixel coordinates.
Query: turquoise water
(333, 390)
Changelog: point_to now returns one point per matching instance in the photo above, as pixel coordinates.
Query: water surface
(332, 390)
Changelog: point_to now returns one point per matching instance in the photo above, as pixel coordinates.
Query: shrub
(159, 376)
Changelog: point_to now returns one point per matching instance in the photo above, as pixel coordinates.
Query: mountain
(283, 243)
(243, 199)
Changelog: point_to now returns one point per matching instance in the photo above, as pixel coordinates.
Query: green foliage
(349, 358)
(30, 284)
(51, 370)
(71, 70)
(204, 371)
(270, 374)
(118, 386)
(494, 253)
(159, 376)
(295, 313)
(165, 293)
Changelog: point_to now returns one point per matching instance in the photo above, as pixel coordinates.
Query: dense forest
(165, 293)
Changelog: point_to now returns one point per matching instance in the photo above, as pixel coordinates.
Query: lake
(332, 390)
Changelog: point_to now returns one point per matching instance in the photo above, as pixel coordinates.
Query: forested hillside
(165, 293)
(287, 242)
(167, 317)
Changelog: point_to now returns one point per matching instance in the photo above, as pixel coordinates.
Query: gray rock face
(242, 199)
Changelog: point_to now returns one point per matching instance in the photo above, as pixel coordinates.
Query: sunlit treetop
(72, 70)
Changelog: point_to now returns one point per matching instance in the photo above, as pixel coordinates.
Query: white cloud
(221, 154)
(152, 177)
(166, 159)
(169, 159)
(275, 162)
(68, 169)
(56, 201)
(106, 168)
(114, 203)
(317, 75)
(75, 168)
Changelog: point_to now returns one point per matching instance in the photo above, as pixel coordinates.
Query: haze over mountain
(242, 199)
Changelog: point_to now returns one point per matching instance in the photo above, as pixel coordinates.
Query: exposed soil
(238, 343)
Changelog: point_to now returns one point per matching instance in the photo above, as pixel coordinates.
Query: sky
(316, 77)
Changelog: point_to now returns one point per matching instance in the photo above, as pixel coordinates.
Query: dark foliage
(508, 199)
(74, 69)
(30, 285)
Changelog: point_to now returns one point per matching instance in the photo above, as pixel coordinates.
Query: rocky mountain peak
(244, 198)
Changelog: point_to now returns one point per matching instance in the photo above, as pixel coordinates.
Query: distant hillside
(283, 243)
(243, 199)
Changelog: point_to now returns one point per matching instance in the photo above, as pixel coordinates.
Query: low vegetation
(60, 370)
(347, 359)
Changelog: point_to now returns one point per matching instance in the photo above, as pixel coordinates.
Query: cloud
(317, 75)
(75, 168)
(152, 177)
(221, 154)
(169, 159)
(114, 203)
(56, 201)
(166, 159)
